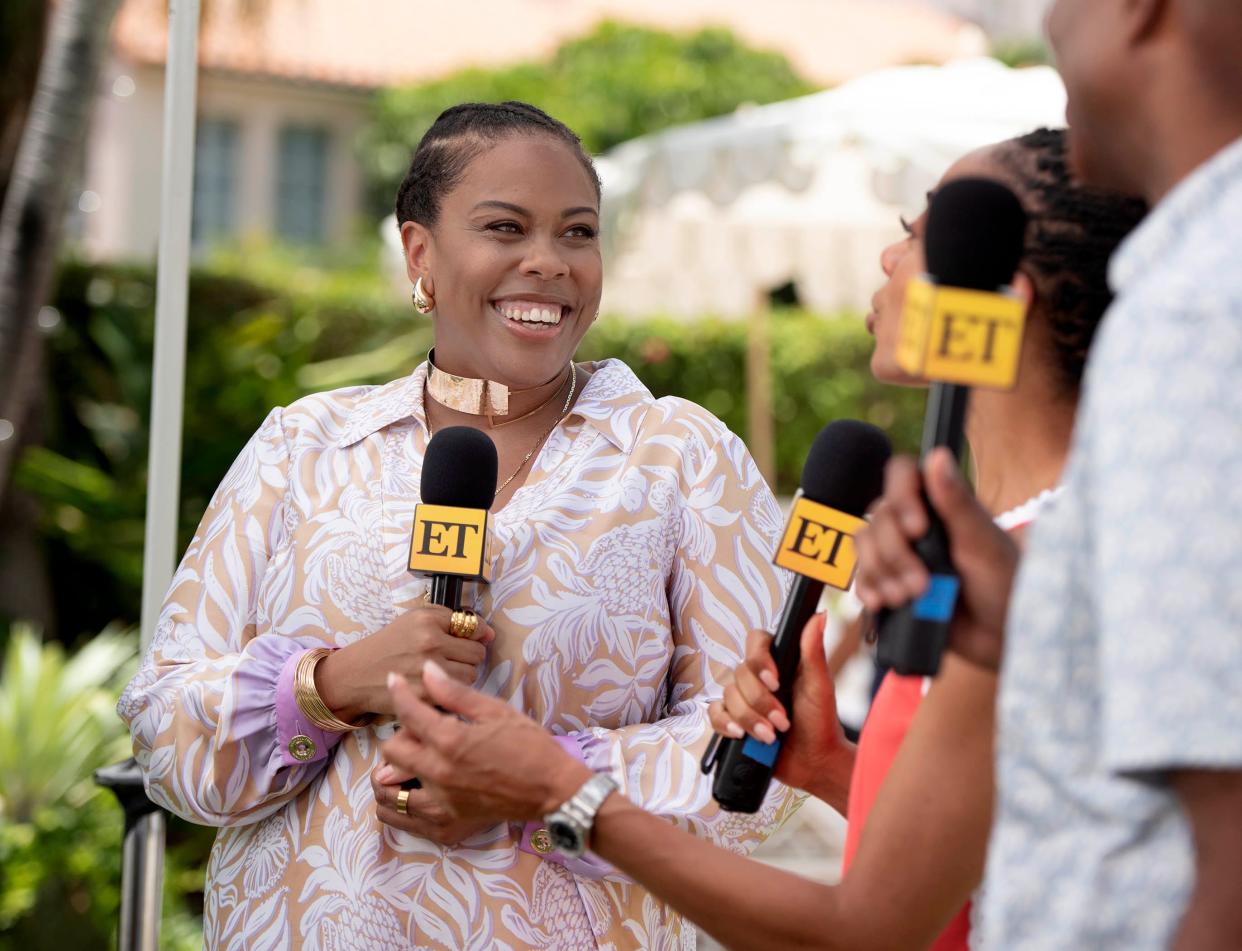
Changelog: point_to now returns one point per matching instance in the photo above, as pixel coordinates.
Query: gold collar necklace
(478, 397)
(569, 398)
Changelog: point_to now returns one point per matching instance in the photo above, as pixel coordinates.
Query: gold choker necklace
(476, 397)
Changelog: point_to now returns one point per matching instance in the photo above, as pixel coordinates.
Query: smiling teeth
(532, 315)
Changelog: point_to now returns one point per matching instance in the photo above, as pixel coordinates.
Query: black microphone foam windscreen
(845, 468)
(976, 232)
(459, 469)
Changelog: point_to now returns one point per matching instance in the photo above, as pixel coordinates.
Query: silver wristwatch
(570, 826)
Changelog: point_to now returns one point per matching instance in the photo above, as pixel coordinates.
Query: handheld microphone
(960, 328)
(451, 540)
(843, 475)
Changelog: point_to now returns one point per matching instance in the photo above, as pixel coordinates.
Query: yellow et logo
(953, 335)
(451, 541)
(819, 543)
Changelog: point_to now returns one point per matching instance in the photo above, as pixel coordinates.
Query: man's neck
(1197, 125)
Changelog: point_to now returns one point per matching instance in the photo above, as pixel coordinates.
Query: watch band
(570, 825)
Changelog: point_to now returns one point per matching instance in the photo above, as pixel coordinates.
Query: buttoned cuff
(300, 741)
(536, 840)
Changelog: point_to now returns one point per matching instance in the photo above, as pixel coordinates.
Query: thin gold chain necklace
(573, 385)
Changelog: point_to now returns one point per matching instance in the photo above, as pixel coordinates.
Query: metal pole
(142, 867)
(159, 552)
(142, 880)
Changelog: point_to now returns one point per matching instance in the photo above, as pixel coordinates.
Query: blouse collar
(614, 402)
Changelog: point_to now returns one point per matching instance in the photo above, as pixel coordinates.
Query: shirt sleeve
(1165, 484)
(205, 708)
(722, 584)
(585, 866)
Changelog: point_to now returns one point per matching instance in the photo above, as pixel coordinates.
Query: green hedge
(256, 344)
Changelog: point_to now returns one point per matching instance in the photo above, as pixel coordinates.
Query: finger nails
(733, 730)
(385, 775)
(765, 733)
(394, 678)
(434, 672)
(769, 680)
(779, 720)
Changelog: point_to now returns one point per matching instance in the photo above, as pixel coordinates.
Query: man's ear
(416, 243)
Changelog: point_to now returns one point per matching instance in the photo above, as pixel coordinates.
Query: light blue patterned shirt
(1124, 651)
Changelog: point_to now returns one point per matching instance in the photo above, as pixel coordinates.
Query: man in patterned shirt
(1119, 760)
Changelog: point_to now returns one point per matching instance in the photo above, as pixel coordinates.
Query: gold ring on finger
(463, 624)
(403, 802)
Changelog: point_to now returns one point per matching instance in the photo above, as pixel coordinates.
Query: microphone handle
(744, 767)
(912, 638)
(446, 591)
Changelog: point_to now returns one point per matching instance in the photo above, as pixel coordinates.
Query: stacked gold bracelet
(307, 695)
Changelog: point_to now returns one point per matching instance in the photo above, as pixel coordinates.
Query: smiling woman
(632, 540)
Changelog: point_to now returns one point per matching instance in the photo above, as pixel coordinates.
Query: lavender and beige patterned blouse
(628, 570)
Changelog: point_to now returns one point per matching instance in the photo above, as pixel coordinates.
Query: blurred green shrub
(820, 372)
(60, 835)
(252, 345)
(614, 84)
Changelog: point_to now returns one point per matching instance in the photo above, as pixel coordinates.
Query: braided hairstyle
(461, 134)
(1074, 231)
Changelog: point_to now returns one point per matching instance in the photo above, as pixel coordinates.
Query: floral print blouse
(628, 570)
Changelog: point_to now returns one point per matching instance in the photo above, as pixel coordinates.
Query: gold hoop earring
(423, 303)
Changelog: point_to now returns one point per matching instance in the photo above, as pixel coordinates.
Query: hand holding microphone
(815, 756)
(891, 574)
(842, 476)
(450, 543)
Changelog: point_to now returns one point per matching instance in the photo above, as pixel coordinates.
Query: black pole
(142, 858)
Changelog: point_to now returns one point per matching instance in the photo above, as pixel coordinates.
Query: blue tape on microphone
(938, 602)
(764, 753)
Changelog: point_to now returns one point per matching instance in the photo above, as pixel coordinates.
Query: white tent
(708, 218)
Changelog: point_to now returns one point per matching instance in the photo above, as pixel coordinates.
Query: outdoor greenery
(60, 835)
(614, 84)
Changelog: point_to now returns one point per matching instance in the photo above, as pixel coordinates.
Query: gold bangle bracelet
(307, 695)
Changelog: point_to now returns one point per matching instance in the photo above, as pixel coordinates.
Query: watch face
(564, 836)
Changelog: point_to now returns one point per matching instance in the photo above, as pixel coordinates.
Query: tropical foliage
(615, 84)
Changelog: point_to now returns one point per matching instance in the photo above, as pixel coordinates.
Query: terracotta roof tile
(387, 42)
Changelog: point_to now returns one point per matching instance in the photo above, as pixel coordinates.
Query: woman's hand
(494, 765)
(353, 680)
(423, 816)
(814, 755)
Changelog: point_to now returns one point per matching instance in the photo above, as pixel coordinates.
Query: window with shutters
(215, 182)
(301, 184)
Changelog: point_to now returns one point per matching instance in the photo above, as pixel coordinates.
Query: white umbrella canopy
(708, 217)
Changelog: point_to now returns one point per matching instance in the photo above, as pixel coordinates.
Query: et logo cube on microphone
(956, 335)
(447, 540)
(819, 543)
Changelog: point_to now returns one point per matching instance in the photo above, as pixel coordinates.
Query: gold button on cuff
(301, 748)
(540, 841)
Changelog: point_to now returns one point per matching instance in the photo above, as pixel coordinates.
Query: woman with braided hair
(619, 520)
(917, 790)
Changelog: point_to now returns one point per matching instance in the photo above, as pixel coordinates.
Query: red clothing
(891, 714)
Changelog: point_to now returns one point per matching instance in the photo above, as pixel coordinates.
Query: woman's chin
(886, 371)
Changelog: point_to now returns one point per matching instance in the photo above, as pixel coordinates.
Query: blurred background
(755, 159)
